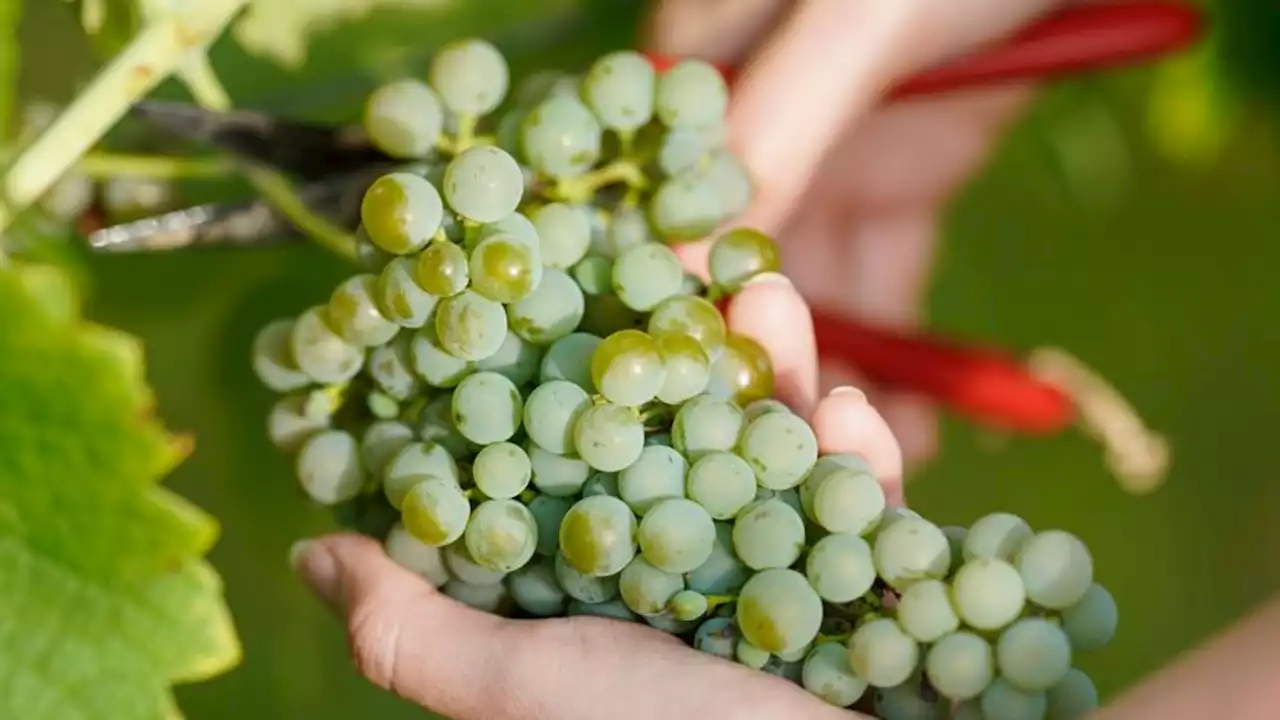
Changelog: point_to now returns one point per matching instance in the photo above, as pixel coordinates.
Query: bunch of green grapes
(544, 415)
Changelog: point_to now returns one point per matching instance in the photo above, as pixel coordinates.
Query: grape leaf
(106, 599)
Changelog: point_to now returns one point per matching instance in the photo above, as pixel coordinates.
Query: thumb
(827, 66)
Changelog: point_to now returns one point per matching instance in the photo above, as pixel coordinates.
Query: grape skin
(778, 611)
(404, 118)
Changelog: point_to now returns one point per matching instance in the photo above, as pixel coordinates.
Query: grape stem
(582, 188)
(277, 190)
(715, 601)
(466, 135)
(107, 165)
(161, 48)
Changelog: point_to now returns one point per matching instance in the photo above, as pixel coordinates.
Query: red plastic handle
(986, 385)
(1069, 42)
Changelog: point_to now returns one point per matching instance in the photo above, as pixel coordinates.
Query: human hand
(853, 191)
(468, 665)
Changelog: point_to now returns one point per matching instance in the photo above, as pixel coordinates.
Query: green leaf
(107, 601)
(10, 18)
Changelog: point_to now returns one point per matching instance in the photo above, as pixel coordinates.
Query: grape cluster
(544, 415)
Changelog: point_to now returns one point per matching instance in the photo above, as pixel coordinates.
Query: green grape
(763, 406)
(827, 674)
(956, 537)
(483, 184)
(557, 475)
(608, 437)
(827, 465)
(487, 408)
(717, 636)
(612, 610)
(465, 569)
(1056, 569)
(502, 269)
(601, 484)
(646, 589)
(646, 275)
(404, 119)
(721, 482)
(381, 405)
(685, 207)
(998, 535)
(925, 611)
(692, 316)
(598, 536)
(273, 361)
(780, 448)
(434, 423)
(435, 511)
(552, 311)
(402, 300)
(381, 441)
(507, 133)
(743, 372)
(413, 461)
(619, 87)
(692, 285)
(435, 365)
(594, 274)
(960, 665)
(706, 424)
(582, 587)
(676, 535)
(353, 310)
(400, 212)
(551, 413)
(688, 606)
(502, 470)
(535, 590)
(840, 568)
(443, 269)
(882, 654)
(569, 358)
(691, 95)
(289, 425)
(329, 467)
(320, 352)
(486, 598)
(891, 515)
(682, 150)
(561, 137)
(848, 500)
(416, 556)
(909, 701)
(536, 86)
(1073, 698)
(658, 474)
(1033, 654)
(627, 368)
(910, 550)
(778, 612)
(732, 182)
(514, 225)
(470, 75)
(548, 513)
(605, 314)
(1091, 622)
(1002, 701)
(565, 232)
(769, 534)
(722, 573)
(391, 369)
(750, 655)
(516, 360)
(501, 535)
(629, 229)
(471, 326)
(988, 593)
(742, 254)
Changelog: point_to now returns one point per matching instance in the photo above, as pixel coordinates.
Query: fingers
(845, 422)
(827, 65)
(406, 637)
(770, 311)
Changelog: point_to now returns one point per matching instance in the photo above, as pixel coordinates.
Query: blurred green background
(1132, 219)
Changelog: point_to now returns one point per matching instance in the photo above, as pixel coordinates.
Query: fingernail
(317, 568)
(850, 391)
(769, 278)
